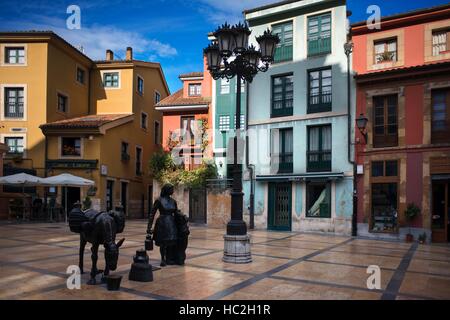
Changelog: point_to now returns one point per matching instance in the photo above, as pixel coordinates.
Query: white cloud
(95, 39)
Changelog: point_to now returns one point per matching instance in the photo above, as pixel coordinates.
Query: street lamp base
(237, 249)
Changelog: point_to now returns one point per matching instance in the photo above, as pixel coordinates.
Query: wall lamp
(361, 123)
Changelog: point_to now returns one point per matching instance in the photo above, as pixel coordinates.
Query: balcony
(319, 161)
(319, 46)
(14, 110)
(283, 53)
(282, 163)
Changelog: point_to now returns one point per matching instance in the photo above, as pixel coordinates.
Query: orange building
(403, 89)
(187, 118)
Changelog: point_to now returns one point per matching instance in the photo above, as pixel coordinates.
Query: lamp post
(229, 56)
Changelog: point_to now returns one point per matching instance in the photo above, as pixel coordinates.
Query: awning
(319, 176)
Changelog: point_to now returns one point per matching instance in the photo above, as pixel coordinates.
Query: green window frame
(319, 148)
(111, 80)
(282, 95)
(319, 34)
(284, 50)
(320, 90)
(282, 155)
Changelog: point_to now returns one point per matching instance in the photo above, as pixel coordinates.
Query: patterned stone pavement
(34, 259)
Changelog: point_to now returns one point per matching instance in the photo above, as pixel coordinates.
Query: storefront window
(318, 199)
(384, 207)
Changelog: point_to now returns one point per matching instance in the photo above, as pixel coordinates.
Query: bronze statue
(98, 228)
(171, 229)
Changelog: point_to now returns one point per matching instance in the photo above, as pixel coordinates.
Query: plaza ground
(34, 259)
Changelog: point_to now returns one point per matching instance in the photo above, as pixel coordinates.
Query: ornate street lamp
(230, 56)
(361, 123)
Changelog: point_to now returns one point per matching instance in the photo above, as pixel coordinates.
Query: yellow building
(63, 112)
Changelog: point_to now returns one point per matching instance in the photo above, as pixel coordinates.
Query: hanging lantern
(252, 56)
(213, 56)
(226, 40)
(267, 43)
(242, 33)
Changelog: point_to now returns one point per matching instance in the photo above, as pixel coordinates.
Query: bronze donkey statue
(98, 228)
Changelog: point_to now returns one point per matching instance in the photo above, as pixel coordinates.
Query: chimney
(109, 55)
(129, 54)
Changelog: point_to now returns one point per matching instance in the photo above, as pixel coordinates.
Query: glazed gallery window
(71, 147)
(441, 42)
(195, 90)
(282, 95)
(224, 86)
(15, 55)
(111, 79)
(284, 50)
(319, 149)
(138, 161)
(385, 124)
(62, 103)
(224, 123)
(319, 34)
(384, 201)
(14, 103)
(80, 75)
(15, 144)
(242, 121)
(440, 126)
(140, 85)
(282, 147)
(318, 199)
(320, 90)
(385, 50)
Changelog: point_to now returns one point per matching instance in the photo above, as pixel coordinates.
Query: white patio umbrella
(67, 180)
(23, 180)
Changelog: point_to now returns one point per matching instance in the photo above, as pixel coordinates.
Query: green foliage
(411, 212)
(164, 170)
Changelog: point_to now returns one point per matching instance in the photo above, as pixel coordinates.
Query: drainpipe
(250, 167)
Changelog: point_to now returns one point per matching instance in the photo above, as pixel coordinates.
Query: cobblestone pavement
(34, 259)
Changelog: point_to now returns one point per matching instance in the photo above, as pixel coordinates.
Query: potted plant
(423, 238)
(385, 57)
(411, 212)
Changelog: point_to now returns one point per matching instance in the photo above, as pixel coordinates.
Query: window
(15, 144)
(80, 75)
(140, 85)
(71, 147)
(320, 90)
(318, 199)
(224, 123)
(242, 121)
(14, 103)
(138, 161)
(440, 127)
(319, 34)
(15, 55)
(282, 96)
(156, 133)
(111, 80)
(282, 151)
(284, 50)
(242, 87)
(224, 86)
(195, 90)
(62, 103)
(385, 131)
(441, 42)
(144, 120)
(125, 155)
(384, 195)
(385, 50)
(187, 130)
(157, 97)
(319, 148)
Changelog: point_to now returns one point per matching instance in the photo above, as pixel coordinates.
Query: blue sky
(172, 32)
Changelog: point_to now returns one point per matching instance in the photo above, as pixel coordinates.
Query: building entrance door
(280, 207)
(73, 196)
(440, 212)
(197, 205)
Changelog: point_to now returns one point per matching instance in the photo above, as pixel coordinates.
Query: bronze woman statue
(165, 233)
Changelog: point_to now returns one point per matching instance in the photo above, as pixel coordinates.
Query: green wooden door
(280, 206)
